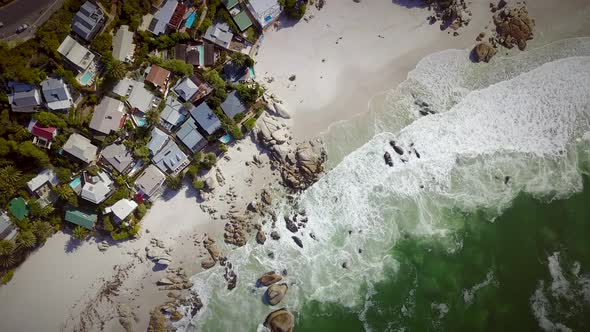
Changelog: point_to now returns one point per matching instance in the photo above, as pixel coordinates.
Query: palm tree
(25, 240)
(10, 181)
(42, 230)
(153, 117)
(64, 192)
(6, 250)
(80, 233)
(116, 69)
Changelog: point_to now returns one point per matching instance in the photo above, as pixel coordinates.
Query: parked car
(22, 28)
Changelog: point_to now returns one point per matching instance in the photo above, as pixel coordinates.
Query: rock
(210, 182)
(165, 282)
(388, 160)
(291, 226)
(483, 52)
(102, 246)
(275, 293)
(280, 321)
(297, 241)
(260, 237)
(514, 27)
(292, 78)
(265, 197)
(396, 148)
(176, 316)
(274, 235)
(268, 279)
(280, 153)
(281, 111)
(219, 176)
(280, 136)
(208, 263)
(164, 261)
(213, 251)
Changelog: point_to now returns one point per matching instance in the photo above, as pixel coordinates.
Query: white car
(22, 28)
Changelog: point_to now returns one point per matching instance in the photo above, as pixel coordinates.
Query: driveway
(32, 12)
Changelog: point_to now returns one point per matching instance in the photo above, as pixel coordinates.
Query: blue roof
(170, 159)
(206, 118)
(233, 105)
(157, 141)
(190, 137)
(160, 21)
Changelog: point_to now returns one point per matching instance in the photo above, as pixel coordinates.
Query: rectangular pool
(84, 79)
(75, 182)
(190, 20)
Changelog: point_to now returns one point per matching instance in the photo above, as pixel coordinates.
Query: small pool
(201, 50)
(84, 79)
(251, 72)
(225, 138)
(140, 121)
(76, 183)
(190, 20)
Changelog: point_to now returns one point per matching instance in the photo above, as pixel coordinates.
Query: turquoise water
(75, 182)
(84, 79)
(201, 50)
(225, 138)
(190, 20)
(140, 121)
(251, 72)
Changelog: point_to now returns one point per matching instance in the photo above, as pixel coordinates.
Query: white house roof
(76, 53)
(265, 11)
(137, 95)
(123, 208)
(157, 141)
(150, 181)
(107, 116)
(81, 148)
(219, 34)
(170, 159)
(47, 175)
(56, 93)
(98, 190)
(123, 45)
(186, 89)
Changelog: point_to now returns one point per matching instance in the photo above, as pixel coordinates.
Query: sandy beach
(342, 55)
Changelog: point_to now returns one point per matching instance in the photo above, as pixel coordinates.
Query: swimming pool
(76, 183)
(251, 72)
(84, 79)
(201, 50)
(190, 20)
(225, 138)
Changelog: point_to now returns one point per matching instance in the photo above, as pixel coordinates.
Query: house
(42, 186)
(118, 157)
(229, 4)
(177, 17)
(219, 34)
(192, 89)
(234, 73)
(205, 118)
(108, 116)
(96, 188)
(180, 52)
(23, 97)
(80, 218)
(209, 56)
(190, 137)
(171, 160)
(136, 95)
(242, 20)
(80, 59)
(173, 114)
(193, 57)
(81, 148)
(121, 209)
(158, 77)
(123, 46)
(88, 21)
(18, 208)
(264, 12)
(57, 95)
(42, 136)
(233, 105)
(159, 23)
(149, 183)
(7, 229)
(157, 141)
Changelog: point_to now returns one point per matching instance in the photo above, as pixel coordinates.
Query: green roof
(243, 20)
(229, 4)
(80, 218)
(18, 208)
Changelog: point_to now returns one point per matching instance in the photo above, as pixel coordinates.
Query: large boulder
(208, 263)
(269, 278)
(514, 26)
(260, 237)
(483, 52)
(281, 111)
(265, 127)
(275, 293)
(280, 321)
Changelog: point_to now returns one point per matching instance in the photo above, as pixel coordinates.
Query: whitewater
(516, 125)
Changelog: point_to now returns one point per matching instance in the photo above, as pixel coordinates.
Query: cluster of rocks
(178, 281)
(157, 252)
(173, 310)
(424, 108)
(239, 227)
(513, 27)
(214, 254)
(404, 154)
(450, 13)
(282, 319)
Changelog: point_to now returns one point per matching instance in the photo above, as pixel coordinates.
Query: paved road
(32, 12)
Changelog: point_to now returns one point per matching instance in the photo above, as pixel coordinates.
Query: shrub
(119, 236)
(141, 211)
(106, 224)
(63, 175)
(223, 147)
(249, 124)
(209, 160)
(7, 277)
(235, 132)
(239, 117)
(198, 184)
(174, 182)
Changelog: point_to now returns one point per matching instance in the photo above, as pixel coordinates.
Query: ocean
(481, 223)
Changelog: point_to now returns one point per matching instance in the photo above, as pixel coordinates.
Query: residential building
(123, 46)
(57, 95)
(81, 148)
(118, 157)
(88, 21)
(219, 34)
(42, 136)
(192, 89)
(209, 56)
(121, 209)
(177, 17)
(136, 95)
(229, 4)
(42, 186)
(205, 118)
(264, 12)
(157, 141)
(18, 208)
(158, 77)
(234, 73)
(7, 228)
(171, 160)
(242, 20)
(149, 183)
(180, 52)
(80, 59)
(173, 114)
(193, 57)
(159, 23)
(80, 218)
(190, 137)
(108, 116)
(233, 105)
(24, 97)
(96, 188)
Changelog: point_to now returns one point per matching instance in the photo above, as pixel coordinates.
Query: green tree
(241, 59)
(115, 69)
(153, 117)
(63, 174)
(178, 67)
(198, 184)
(48, 119)
(142, 152)
(11, 180)
(294, 8)
(6, 253)
(80, 233)
(208, 161)
(249, 124)
(174, 182)
(30, 150)
(102, 43)
(42, 230)
(25, 240)
(106, 224)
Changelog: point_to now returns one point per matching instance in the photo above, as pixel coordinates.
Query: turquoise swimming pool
(190, 20)
(225, 138)
(84, 79)
(251, 71)
(201, 50)
(76, 182)
(141, 122)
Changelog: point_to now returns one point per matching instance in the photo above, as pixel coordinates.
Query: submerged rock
(388, 160)
(280, 321)
(396, 148)
(269, 278)
(297, 241)
(275, 235)
(275, 293)
(260, 237)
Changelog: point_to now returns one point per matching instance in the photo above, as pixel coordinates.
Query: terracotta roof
(43, 132)
(176, 18)
(158, 76)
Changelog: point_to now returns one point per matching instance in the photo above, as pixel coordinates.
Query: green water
(513, 250)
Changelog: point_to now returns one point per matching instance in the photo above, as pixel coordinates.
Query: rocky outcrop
(450, 13)
(275, 235)
(269, 278)
(260, 237)
(208, 263)
(175, 282)
(483, 52)
(275, 293)
(158, 253)
(388, 160)
(297, 241)
(280, 321)
(514, 26)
